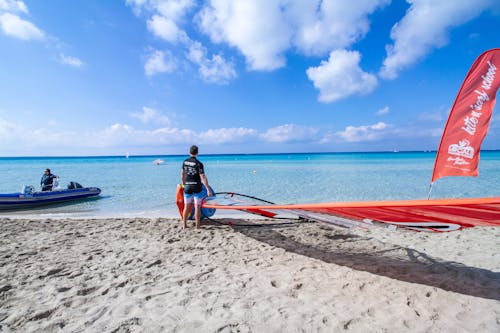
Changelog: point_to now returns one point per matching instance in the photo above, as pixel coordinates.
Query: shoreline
(145, 274)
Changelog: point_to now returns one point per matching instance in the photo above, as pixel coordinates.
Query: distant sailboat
(127, 155)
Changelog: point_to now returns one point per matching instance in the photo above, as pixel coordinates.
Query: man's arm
(204, 180)
(182, 176)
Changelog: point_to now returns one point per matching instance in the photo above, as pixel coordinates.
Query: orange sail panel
(467, 125)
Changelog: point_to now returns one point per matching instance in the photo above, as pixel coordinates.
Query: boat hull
(17, 201)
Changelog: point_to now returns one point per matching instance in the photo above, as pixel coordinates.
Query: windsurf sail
(467, 125)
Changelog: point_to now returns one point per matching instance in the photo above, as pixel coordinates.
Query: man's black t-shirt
(192, 170)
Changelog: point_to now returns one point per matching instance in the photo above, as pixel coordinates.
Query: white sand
(146, 275)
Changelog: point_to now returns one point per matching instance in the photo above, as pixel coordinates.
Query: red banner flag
(467, 125)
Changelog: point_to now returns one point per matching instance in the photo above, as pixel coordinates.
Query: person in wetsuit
(47, 181)
(192, 176)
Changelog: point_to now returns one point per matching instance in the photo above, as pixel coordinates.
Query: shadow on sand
(370, 255)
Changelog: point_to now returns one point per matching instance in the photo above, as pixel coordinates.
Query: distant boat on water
(158, 161)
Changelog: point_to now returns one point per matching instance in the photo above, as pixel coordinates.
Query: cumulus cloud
(257, 28)
(14, 26)
(329, 24)
(13, 6)
(341, 76)
(364, 133)
(424, 28)
(167, 17)
(225, 135)
(70, 61)
(166, 29)
(159, 62)
(383, 111)
(149, 115)
(264, 30)
(119, 134)
(215, 69)
(289, 133)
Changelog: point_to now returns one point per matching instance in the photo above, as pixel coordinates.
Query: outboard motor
(27, 190)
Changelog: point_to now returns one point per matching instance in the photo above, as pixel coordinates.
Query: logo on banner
(462, 149)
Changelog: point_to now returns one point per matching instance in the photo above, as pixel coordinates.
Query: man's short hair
(193, 150)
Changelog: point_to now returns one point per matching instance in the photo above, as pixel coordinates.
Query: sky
(93, 77)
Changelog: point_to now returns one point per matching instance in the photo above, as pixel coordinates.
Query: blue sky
(153, 77)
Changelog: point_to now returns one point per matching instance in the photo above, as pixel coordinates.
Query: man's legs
(198, 200)
(188, 207)
(197, 213)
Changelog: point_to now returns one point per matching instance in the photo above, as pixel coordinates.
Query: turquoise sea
(135, 186)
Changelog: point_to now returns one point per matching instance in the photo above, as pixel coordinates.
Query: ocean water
(135, 186)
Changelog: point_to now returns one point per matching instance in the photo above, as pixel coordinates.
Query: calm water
(137, 187)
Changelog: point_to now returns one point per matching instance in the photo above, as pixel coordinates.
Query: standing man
(192, 176)
(47, 181)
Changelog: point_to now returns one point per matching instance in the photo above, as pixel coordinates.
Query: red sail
(467, 125)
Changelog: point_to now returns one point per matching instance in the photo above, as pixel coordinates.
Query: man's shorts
(195, 198)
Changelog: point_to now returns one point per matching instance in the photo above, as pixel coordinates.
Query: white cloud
(289, 133)
(136, 5)
(321, 26)
(425, 27)
(119, 134)
(71, 61)
(257, 28)
(167, 17)
(166, 22)
(364, 133)
(341, 76)
(149, 115)
(14, 26)
(225, 135)
(166, 29)
(216, 69)
(385, 110)
(13, 6)
(264, 30)
(175, 10)
(159, 62)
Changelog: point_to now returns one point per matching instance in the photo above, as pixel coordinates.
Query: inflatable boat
(28, 198)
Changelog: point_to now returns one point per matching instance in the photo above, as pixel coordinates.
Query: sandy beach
(147, 275)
